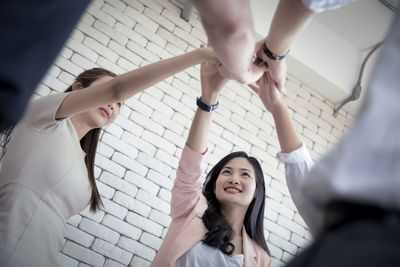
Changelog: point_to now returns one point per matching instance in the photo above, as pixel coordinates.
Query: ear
(77, 86)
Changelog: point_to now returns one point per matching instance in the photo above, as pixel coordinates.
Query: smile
(233, 190)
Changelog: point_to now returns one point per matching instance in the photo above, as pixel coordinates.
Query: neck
(234, 216)
(80, 127)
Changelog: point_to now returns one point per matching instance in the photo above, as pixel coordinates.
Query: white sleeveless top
(202, 255)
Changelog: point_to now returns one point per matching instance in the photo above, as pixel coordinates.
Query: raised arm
(126, 85)
(290, 18)
(229, 27)
(293, 153)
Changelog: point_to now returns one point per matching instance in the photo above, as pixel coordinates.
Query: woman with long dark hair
(217, 220)
(47, 172)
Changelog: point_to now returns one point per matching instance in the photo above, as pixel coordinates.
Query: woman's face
(236, 183)
(103, 115)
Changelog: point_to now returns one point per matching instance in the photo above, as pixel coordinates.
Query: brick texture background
(138, 154)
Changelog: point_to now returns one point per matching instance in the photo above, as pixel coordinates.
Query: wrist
(209, 99)
(275, 49)
(277, 107)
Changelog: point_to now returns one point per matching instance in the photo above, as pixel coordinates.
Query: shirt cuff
(296, 156)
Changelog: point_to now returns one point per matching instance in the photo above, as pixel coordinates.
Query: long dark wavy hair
(88, 143)
(220, 233)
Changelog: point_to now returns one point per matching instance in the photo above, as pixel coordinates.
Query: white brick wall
(139, 152)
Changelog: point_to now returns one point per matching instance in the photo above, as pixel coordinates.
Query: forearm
(135, 81)
(229, 27)
(288, 138)
(290, 19)
(198, 134)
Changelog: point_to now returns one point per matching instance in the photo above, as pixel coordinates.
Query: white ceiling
(327, 56)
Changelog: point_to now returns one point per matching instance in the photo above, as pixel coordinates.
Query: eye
(119, 104)
(226, 171)
(246, 174)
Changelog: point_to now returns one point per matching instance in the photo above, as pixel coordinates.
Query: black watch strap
(206, 107)
(272, 56)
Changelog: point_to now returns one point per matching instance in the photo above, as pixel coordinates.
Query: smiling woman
(217, 220)
(47, 172)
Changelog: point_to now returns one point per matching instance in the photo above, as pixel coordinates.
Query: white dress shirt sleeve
(322, 5)
(298, 163)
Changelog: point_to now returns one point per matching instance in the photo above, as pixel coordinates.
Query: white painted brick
(177, 20)
(121, 226)
(162, 21)
(170, 6)
(252, 139)
(83, 50)
(286, 257)
(329, 137)
(100, 15)
(83, 254)
(110, 166)
(129, 163)
(321, 123)
(155, 92)
(168, 123)
(106, 64)
(228, 135)
(305, 122)
(95, 34)
(78, 236)
(137, 249)
(112, 263)
(139, 143)
(148, 34)
(139, 262)
(169, 90)
(66, 52)
(123, 52)
(153, 163)
(151, 240)
(120, 5)
(99, 231)
(94, 216)
(165, 194)
(160, 179)
(280, 186)
(84, 265)
(144, 223)
(146, 123)
(139, 107)
(186, 89)
(142, 182)
(131, 204)
(131, 34)
(65, 261)
(68, 66)
(173, 39)
(179, 106)
(114, 129)
(118, 15)
(278, 207)
(315, 137)
(159, 142)
(111, 251)
(270, 214)
(88, 19)
(167, 158)
(199, 34)
(143, 52)
(83, 62)
(104, 190)
(175, 139)
(53, 83)
(160, 218)
(100, 49)
(105, 150)
(282, 243)
(66, 77)
(120, 145)
(114, 209)
(136, 4)
(291, 225)
(153, 201)
(275, 228)
(299, 241)
(187, 37)
(140, 18)
(239, 89)
(156, 104)
(157, 50)
(74, 220)
(153, 5)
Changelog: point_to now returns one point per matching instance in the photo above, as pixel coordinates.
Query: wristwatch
(272, 56)
(206, 107)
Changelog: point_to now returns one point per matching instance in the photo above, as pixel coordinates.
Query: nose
(111, 106)
(234, 179)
